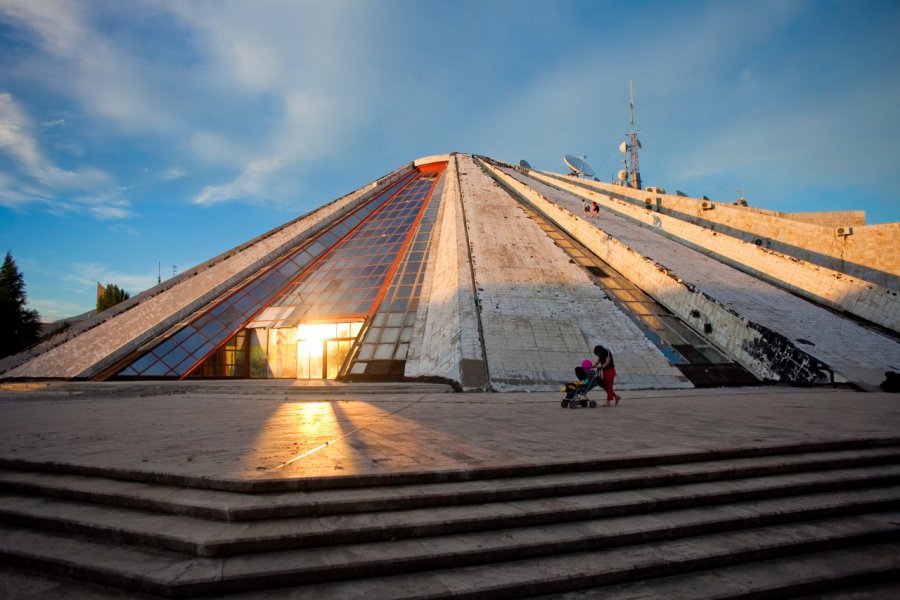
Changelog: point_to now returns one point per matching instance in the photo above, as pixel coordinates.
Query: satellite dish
(578, 166)
(623, 175)
(524, 164)
(624, 148)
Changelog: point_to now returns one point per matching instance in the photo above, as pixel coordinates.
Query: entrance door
(336, 351)
(323, 347)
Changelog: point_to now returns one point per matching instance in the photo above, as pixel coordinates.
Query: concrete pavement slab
(251, 434)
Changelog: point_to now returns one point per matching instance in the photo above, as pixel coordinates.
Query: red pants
(609, 375)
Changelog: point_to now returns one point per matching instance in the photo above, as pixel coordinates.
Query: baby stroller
(576, 391)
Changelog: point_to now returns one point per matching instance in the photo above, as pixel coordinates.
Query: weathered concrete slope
(540, 316)
(771, 332)
(447, 341)
(870, 301)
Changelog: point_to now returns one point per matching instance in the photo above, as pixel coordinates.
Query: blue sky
(142, 136)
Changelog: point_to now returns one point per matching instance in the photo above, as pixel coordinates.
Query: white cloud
(174, 173)
(39, 180)
(88, 275)
(79, 59)
(305, 60)
(52, 310)
(15, 137)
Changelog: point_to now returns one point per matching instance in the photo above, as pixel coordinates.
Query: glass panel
(143, 363)
(258, 362)
(186, 365)
(345, 281)
(384, 351)
(303, 352)
(335, 353)
(401, 352)
(157, 370)
(390, 335)
(315, 363)
(174, 357)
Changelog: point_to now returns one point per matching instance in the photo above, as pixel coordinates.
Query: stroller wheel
(593, 404)
(573, 404)
(583, 402)
(564, 403)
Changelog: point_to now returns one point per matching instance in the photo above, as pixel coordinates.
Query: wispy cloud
(306, 62)
(86, 275)
(52, 310)
(174, 173)
(38, 180)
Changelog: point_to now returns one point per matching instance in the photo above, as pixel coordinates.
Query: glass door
(336, 351)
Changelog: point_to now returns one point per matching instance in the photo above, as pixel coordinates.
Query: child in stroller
(576, 391)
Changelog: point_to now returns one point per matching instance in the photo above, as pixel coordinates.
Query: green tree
(19, 327)
(111, 296)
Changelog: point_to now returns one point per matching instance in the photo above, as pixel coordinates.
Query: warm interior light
(312, 355)
(315, 334)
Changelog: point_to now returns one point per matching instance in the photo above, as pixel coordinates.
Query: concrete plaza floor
(248, 432)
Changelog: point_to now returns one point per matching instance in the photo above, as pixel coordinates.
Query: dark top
(603, 354)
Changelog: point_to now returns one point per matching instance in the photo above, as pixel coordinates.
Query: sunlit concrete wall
(731, 332)
(835, 218)
(540, 313)
(445, 340)
(839, 241)
(106, 338)
(875, 303)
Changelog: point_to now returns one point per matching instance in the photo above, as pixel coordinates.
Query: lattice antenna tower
(633, 145)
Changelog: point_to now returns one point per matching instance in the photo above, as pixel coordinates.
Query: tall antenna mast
(634, 144)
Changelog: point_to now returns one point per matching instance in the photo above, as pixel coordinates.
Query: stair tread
(190, 534)
(697, 526)
(558, 573)
(238, 506)
(466, 548)
(806, 573)
(550, 574)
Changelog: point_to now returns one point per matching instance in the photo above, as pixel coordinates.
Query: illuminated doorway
(322, 348)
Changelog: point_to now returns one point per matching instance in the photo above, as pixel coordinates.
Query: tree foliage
(19, 327)
(111, 296)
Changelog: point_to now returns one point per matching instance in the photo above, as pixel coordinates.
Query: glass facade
(385, 345)
(272, 326)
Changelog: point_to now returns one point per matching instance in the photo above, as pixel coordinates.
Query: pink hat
(586, 364)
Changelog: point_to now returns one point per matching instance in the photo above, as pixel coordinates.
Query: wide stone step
(437, 572)
(275, 484)
(208, 538)
(563, 572)
(819, 575)
(238, 506)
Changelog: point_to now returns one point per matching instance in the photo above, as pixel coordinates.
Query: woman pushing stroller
(607, 366)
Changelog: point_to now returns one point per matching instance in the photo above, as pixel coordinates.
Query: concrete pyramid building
(463, 269)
